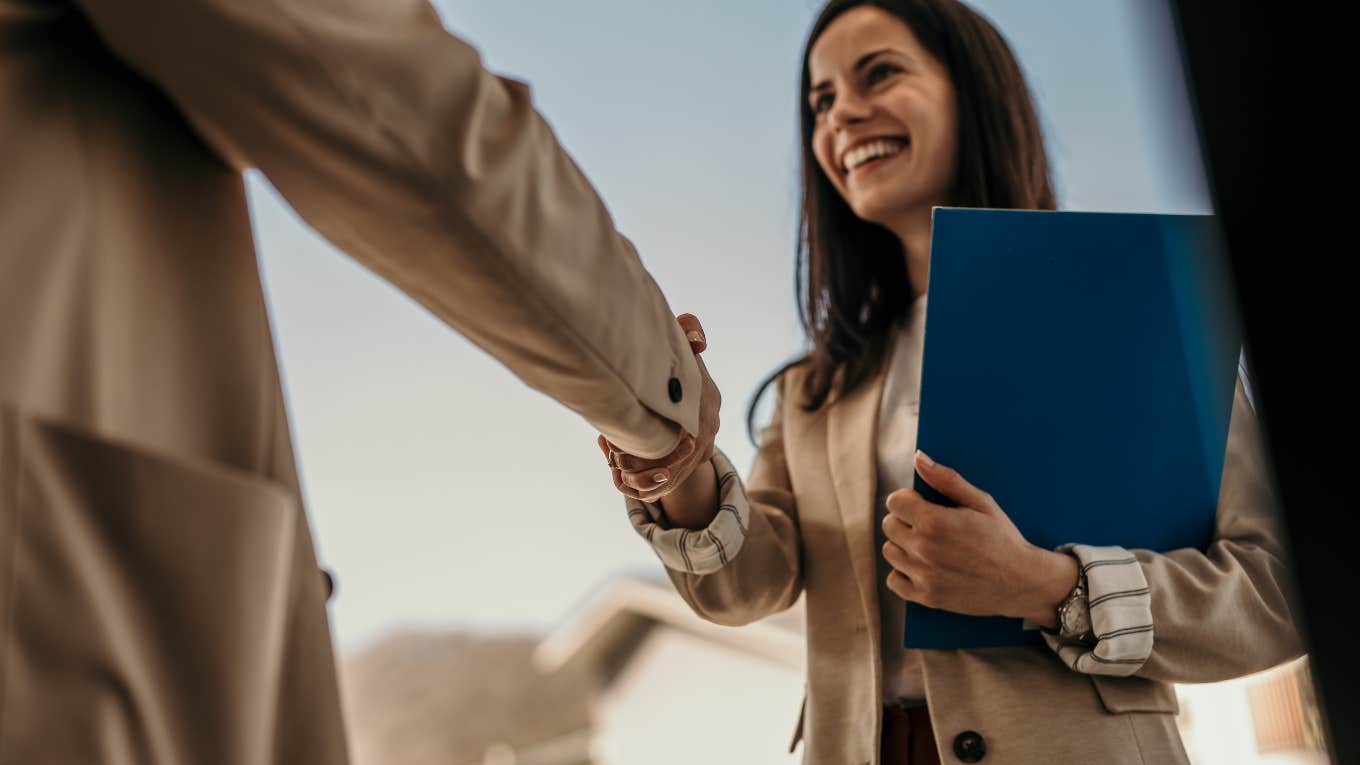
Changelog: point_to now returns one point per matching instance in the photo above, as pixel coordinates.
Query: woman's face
(885, 132)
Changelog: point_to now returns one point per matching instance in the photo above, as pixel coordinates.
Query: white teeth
(872, 150)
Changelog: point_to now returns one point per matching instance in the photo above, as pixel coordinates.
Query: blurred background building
(469, 522)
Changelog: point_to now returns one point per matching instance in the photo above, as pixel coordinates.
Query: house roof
(615, 620)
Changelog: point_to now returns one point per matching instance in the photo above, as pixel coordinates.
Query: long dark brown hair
(850, 276)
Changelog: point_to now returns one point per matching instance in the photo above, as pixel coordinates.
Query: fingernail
(660, 478)
(684, 448)
(925, 459)
(695, 336)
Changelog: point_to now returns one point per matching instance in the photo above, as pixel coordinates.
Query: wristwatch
(1074, 614)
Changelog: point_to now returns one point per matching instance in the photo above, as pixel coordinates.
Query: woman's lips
(872, 165)
(871, 150)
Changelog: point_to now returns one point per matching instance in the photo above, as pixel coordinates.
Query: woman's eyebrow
(859, 64)
(867, 57)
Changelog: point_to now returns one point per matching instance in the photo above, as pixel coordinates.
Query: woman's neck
(913, 231)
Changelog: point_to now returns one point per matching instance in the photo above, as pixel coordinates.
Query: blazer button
(328, 581)
(673, 387)
(969, 746)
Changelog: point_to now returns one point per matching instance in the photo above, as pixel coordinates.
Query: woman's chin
(891, 209)
(879, 213)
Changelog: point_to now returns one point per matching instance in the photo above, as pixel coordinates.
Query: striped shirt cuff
(1120, 606)
(706, 550)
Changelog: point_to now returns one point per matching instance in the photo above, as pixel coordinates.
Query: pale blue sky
(445, 493)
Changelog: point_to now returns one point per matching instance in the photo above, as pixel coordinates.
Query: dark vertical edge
(1264, 81)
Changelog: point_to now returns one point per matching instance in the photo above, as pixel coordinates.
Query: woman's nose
(848, 109)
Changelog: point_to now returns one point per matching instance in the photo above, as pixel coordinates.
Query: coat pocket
(148, 602)
(1135, 694)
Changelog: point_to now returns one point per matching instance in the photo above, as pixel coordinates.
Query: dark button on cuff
(328, 581)
(673, 387)
(969, 746)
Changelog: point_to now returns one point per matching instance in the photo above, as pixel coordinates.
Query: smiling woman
(881, 83)
(905, 105)
(884, 128)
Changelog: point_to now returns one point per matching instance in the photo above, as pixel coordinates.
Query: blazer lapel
(851, 424)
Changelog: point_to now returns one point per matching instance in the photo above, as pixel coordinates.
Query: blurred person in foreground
(160, 600)
(909, 104)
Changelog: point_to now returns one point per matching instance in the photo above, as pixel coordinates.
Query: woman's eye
(882, 72)
(821, 103)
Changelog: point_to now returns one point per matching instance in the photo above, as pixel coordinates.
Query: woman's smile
(872, 152)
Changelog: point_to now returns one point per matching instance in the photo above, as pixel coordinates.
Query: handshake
(687, 470)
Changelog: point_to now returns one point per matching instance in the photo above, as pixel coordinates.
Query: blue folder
(1080, 367)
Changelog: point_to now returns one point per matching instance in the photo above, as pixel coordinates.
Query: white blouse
(896, 444)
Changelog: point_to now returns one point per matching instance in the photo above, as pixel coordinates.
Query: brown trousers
(908, 738)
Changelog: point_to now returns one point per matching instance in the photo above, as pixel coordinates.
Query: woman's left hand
(969, 559)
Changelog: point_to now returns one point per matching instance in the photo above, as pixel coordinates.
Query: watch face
(1075, 620)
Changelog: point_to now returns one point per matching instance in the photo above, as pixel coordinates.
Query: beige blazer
(811, 530)
(159, 595)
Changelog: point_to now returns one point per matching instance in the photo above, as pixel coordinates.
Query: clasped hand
(969, 559)
(650, 480)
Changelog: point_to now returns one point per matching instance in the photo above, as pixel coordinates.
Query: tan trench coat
(811, 530)
(159, 596)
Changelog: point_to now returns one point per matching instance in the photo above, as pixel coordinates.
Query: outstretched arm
(388, 136)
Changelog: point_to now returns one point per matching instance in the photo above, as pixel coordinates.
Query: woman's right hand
(650, 480)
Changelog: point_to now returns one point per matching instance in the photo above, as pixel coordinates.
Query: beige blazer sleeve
(748, 563)
(388, 136)
(1226, 612)
(1188, 616)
